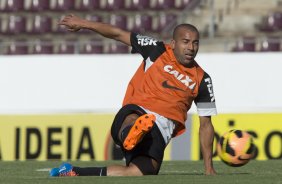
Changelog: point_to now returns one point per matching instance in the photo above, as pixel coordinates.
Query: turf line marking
(43, 170)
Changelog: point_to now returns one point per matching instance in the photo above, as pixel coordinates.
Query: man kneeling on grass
(157, 100)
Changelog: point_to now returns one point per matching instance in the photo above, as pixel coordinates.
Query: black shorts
(152, 145)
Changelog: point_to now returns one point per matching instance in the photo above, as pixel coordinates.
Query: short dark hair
(190, 27)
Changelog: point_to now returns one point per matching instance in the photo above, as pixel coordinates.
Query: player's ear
(172, 44)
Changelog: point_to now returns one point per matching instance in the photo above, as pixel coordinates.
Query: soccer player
(156, 102)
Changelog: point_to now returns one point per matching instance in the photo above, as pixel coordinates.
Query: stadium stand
(12, 5)
(63, 5)
(163, 19)
(271, 22)
(164, 4)
(40, 25)
(114, 5)
(15, 25)
(225, 26)
(66, 47)
(88, 5)
(139, 5)
(18, 47)
(42, 47)
(142, 23)
(270, 44)
(118, 20)
(1, 31)
(93, 46)
(115, 48)
(38, 5)
(246, 44)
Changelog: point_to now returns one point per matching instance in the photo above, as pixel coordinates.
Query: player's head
(185, 43)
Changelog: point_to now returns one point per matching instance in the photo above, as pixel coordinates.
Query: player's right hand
(72, 22)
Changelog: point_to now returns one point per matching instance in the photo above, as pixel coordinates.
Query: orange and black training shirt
(162, 85)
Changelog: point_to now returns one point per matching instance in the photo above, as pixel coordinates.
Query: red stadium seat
(247, 44)
(67, 47)
(88, 5)
(139, 5)
(117, 48)
(164, 4)
(93, 46)
(142, 23)
(271, 44)
(188, 4)
(19, 47)
(42, 47)
(164, 20)
(119, 21)
(41, 24)
(63, 5)
(12, 5)
(278, 20)
(15, 25)
(39, 5)
(270, 23)
(115, 4)
(94, 18)
(266, 24)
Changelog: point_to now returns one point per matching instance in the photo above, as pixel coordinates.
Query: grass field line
(43, 169)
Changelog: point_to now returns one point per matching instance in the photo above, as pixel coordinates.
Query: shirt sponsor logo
(184, 79)
(166, 85)
(209, 85)
(145, 40)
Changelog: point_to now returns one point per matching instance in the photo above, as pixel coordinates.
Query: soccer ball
(235, 148)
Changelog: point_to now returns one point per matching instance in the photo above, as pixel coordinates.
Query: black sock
(90, 171)
(125, 132)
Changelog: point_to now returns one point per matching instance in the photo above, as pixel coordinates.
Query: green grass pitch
(172, 172)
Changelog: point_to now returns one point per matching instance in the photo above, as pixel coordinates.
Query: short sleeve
(143, 44)
(205, 101)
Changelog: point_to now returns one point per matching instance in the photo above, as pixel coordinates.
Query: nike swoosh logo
(62, 169)
(166, 85)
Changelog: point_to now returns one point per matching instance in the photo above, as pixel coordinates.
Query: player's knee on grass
(146, 165)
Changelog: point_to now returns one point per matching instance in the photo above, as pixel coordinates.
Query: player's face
(185, 46)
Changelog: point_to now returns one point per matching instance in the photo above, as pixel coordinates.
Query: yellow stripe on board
(65, 137)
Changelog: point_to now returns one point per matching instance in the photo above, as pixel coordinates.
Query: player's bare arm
(75, 23)
(206, 140)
